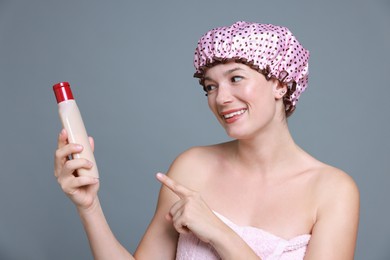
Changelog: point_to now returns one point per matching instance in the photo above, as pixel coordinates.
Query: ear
(279, 89)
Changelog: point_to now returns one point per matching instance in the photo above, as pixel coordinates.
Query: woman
(257, 197)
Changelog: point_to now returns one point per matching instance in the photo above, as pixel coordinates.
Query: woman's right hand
(82, 190)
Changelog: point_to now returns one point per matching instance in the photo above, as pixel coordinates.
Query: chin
(237, 134)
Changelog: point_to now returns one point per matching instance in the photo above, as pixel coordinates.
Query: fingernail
(159, 175)
(79, 147)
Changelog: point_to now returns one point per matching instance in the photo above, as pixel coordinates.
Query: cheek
(212, 105)
(261, 99)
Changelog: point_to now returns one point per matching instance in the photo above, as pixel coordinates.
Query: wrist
(91, 209)
(230, 245)
(221, 236)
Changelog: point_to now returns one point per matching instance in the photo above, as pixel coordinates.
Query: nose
(224, 95)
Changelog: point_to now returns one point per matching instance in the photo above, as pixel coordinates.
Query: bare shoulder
(332, 183)
(337, 214)
(204, 152)
(193, 166)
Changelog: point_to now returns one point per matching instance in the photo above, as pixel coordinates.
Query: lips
(232, 115)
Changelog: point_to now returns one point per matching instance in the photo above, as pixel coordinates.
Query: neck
(268, 151)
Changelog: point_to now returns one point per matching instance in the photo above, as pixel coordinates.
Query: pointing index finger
(177, 188)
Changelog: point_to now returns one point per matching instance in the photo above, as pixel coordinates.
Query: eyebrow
(225, 73)
(231, 71)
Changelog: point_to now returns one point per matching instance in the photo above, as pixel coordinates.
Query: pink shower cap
(272, 50)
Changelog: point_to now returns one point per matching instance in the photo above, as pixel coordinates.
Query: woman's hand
(190, 213)
(82, 190)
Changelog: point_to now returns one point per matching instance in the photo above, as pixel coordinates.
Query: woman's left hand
(190, 213)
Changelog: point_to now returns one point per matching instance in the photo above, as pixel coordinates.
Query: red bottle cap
(62, 91)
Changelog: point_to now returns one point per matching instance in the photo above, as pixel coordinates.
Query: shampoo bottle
(73, 123)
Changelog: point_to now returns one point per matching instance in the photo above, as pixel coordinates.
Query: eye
(209, 88)
(236, 78)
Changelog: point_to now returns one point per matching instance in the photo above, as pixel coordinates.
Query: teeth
(242, 111)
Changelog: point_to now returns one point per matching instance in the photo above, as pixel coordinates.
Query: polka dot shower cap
(272, 50)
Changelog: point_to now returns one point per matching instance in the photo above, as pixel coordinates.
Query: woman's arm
(160, 239)
(82, 191)
(191, 214)
(335, 230)
(188, 212)
(102, 241)
(158, 243)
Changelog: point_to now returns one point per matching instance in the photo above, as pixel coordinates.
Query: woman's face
(243, 101)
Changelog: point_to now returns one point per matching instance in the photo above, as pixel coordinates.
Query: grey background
(130, 67)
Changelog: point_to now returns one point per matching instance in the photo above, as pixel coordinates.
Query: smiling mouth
(236, 113)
